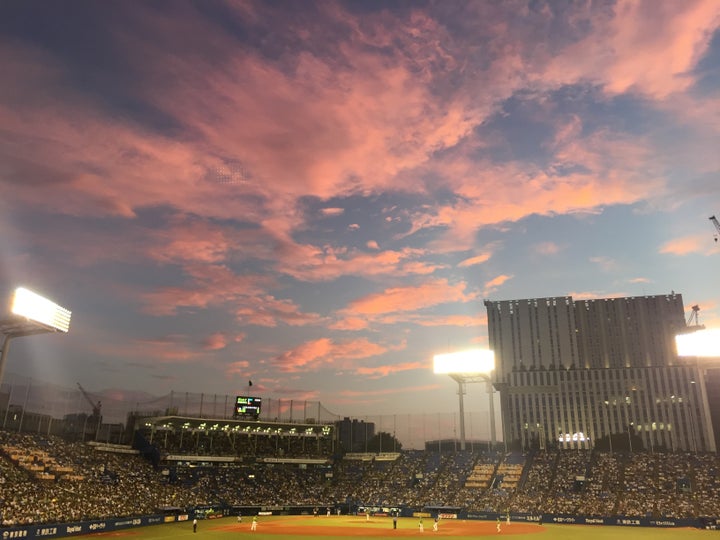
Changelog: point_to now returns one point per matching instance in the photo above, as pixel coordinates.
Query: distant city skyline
(319, 196)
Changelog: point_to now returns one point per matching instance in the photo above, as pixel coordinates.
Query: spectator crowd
(45, 479)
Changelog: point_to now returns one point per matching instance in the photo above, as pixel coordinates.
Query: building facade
(586, 373)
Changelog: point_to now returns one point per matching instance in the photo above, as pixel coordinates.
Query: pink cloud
(496, 282)
(473, 261)
(608, 169)
(267, 310)
(332, 121)
(239, 367)
(217, 286)
(687, 245)
(352, 394)
(212, 286)
(546, 248)
(385, 370)
(215, 342)
(398, 299)
(331, 129)
(350, 323)
(313, 355)
(309, 263)
(677, 32)
(174, 348)
(462, 321)
(606, 264)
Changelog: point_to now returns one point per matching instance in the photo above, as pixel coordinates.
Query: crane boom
(717, 226)
(95, 406)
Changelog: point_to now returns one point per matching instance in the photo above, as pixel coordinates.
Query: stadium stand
(46, 479)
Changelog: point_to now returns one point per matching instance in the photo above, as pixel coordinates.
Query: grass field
(337, 527)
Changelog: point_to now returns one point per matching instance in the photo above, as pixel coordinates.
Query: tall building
(597, 372)
(354, 435)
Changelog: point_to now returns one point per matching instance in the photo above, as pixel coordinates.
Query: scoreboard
(247, 407)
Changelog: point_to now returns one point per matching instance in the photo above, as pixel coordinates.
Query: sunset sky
(318, 196)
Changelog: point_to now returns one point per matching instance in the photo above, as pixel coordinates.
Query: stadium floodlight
(31, 314)
(473, 365)
(473, 361)
(40, 310)
(700, 344)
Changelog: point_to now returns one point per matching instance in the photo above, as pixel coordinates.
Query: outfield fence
(113, 526)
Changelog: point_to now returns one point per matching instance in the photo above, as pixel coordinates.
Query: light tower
(464, 367)
(30, 314)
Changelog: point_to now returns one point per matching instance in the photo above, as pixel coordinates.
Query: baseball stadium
(213, 465)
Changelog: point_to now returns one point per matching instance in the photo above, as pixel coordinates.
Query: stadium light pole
(30, 314)
(464, 367)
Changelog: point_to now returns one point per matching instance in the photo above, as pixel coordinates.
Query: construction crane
(96, 407)
(717, 226)
(694, 318)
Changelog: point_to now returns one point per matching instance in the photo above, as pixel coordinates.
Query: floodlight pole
(462, 379)
(491, 402)
(468, 366)
(3, 354)
(461, 392)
